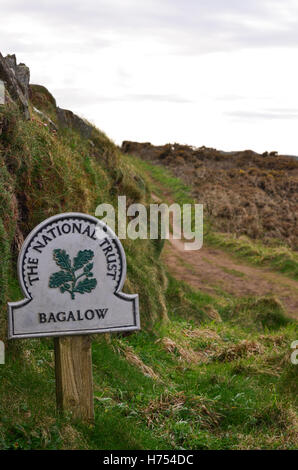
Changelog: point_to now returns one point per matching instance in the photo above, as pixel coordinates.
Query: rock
(21, 72)
(16, 79)
(23, 76)
(135, 147)
(70, 120)
(2, 92)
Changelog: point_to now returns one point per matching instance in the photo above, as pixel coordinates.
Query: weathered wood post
(74, 382)
(72, 268)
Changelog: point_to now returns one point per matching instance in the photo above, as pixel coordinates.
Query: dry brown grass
(201, 333)
(135, 360)
(72, 438)
(169, 405)
(273, 340)
(183, 353)
(243, 192)
(245, 348)
(212, 314)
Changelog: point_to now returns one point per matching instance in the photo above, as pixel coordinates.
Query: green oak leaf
(64, 288)
(62, 259)
(87, 285)
(88, 268)
(59, 278)
(82, 258)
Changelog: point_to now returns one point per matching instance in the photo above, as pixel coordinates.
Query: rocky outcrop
(136, 147)
(45, 105)
(21, 72)
(16, 79)
(70, 120)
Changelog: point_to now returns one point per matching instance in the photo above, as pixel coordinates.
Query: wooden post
(74, 383)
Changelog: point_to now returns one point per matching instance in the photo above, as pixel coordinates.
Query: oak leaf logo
(67, 279)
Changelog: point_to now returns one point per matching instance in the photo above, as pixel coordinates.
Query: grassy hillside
(276, 254)
(205, 372)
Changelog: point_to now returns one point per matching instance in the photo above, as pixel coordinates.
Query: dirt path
(215, 271)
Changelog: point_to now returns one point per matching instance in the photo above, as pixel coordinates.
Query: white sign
(2, 93)
(72, 268)
(2, 353)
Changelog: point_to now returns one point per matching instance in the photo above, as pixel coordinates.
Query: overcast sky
(220, 73)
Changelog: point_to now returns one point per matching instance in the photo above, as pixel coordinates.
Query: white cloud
(202, 72)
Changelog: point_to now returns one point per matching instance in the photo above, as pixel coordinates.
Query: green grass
(281, 258)
(247, 401)
(233, 399)
(161, 179)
